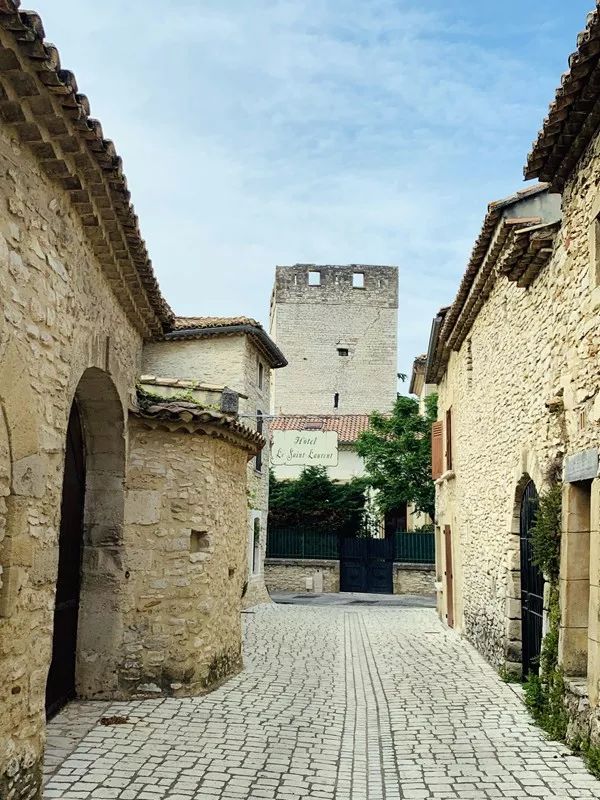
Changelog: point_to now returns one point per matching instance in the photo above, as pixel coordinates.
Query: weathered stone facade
(185, 541)
(291, 574)
(414, 578)
(238, 354)
(516, 359)
(340, 339)
(78, 300)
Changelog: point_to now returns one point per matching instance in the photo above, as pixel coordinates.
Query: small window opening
(336, 400)
(314, 278)
(343, 351)
(259, 428)
(261, 374)
(199, 542)
(256, 547)
(358, 280)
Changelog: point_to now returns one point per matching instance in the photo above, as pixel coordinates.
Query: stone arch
(525, 471)
(99, 628)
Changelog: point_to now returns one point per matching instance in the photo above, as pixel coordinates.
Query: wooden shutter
(449, 439)
(437, 450)
(449, 576)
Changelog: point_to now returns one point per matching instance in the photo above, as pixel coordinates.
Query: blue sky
(264, 132)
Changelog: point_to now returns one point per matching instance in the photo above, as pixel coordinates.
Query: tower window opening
(358, 280)
(314, 278)
(343, 351)
(336, 400)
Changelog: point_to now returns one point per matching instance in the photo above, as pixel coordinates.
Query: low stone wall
(414, 578)
(290, 574)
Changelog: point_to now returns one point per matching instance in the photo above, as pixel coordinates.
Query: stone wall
(61, 330)
(309, 323)
(185, 538)
(524, 391)
(414, 579)
(289, 575)
(232, 361)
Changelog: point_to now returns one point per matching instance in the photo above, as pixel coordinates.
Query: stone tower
(338, 328)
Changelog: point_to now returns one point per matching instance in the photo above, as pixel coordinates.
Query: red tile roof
(182, 323)
(348, 426)
(574, 114)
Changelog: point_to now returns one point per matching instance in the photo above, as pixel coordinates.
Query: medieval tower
(338, 328)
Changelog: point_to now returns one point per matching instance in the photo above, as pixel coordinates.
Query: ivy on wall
(544, 692)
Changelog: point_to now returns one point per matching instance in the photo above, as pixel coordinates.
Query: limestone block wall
(414, 578)
(289, 575)
(58, 318)
(526, 348)
(228, 361)
(186, 515)
(310, 323)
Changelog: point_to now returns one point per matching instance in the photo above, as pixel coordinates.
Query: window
(358, 280)
(199, 542)
(259, 428)
(449, 439)
(336, 400)
(343, 351)
(261, 374)
(437, 452)
(314, 278)
(256, 547)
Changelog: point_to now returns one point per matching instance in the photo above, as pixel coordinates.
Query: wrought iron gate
(532, 585)
(60, 687)
(366, 565)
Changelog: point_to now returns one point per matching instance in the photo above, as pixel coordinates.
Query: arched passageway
(60, 687)
(87, 617)
(532, 584)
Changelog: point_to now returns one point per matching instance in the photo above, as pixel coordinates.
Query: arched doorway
(532, 584)
(60, 687)
(91, 576)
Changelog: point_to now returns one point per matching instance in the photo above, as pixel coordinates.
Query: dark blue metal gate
(366, 565)
(532, 585)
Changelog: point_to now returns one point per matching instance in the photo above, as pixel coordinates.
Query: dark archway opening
(532, 585)
(60, 687)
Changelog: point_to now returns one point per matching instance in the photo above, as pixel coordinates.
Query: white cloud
(257, 132)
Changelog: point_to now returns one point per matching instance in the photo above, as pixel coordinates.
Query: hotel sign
(304, 449)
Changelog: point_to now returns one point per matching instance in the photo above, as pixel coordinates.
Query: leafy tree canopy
(314, 500)
(397, 454)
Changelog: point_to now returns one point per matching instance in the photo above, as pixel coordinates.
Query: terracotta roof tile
(348, 426)
(181, 323)
(80, 160)
(202, 327)
(574, 114)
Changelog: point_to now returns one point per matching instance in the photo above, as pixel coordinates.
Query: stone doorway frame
(526, 471)
(100, 624)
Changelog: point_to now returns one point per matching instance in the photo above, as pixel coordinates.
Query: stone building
(207, 355)
(516, 360)
(338, 327)
(122, 526)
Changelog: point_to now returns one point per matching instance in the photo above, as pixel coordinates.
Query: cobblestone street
(334, 702)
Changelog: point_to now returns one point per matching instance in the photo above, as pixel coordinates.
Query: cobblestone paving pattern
(334, 703)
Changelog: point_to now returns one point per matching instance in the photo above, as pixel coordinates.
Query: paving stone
(334, 703)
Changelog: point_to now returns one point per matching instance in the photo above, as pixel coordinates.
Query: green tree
(397, 454)
(314, 500)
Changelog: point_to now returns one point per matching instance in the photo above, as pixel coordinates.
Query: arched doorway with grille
(532, 584)
(87, 620)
